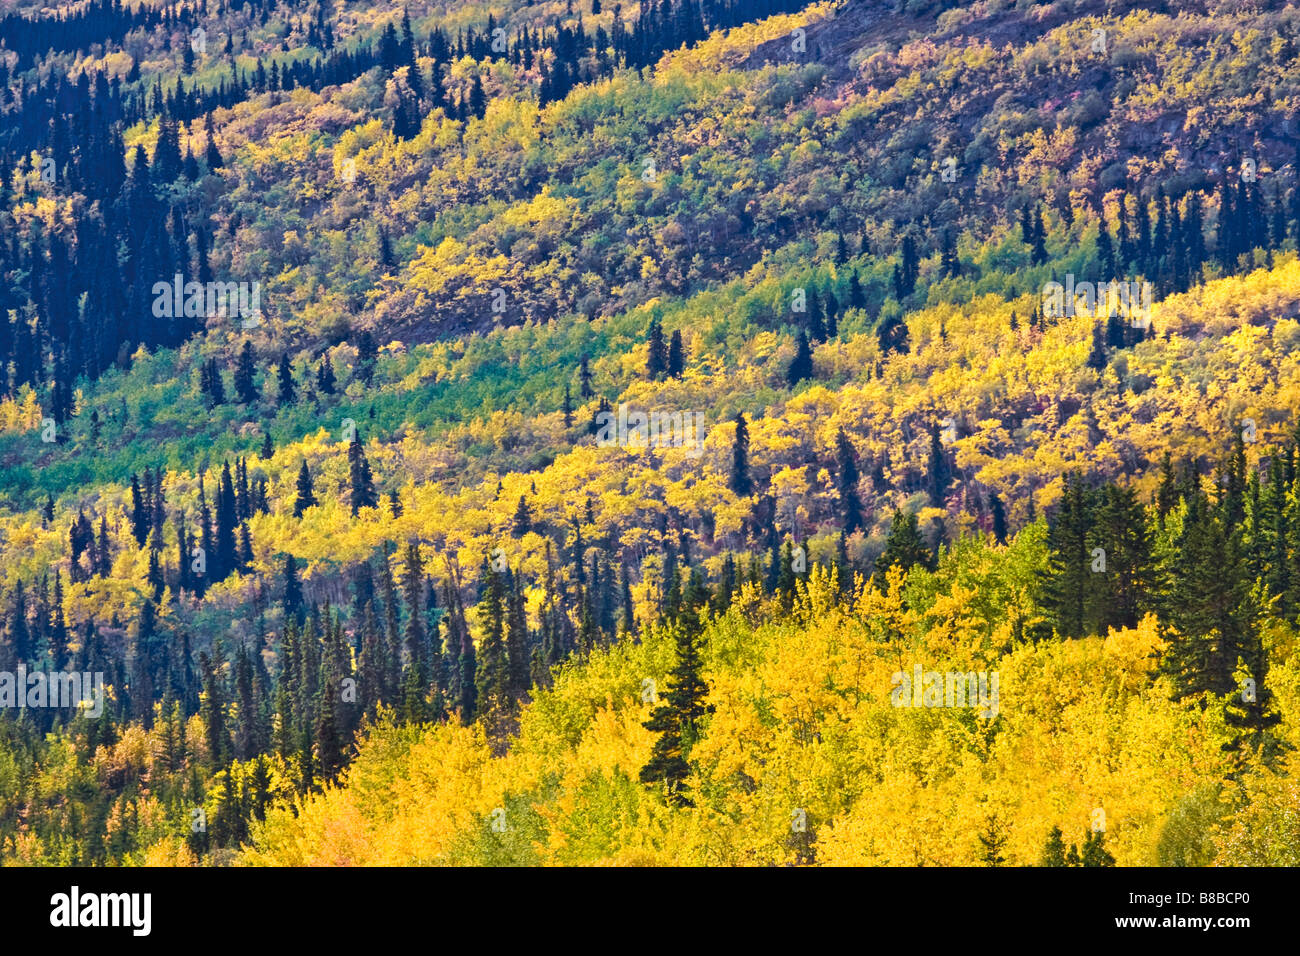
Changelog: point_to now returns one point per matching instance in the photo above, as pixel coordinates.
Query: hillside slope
(398, 502)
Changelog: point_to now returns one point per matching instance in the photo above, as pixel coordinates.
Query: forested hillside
(693, 431)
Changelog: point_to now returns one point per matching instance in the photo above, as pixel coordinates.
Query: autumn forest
(685, 432)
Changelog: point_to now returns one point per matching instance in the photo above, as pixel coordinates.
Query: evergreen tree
(1094, 850)
(1053, 849)
(1097, 357)
(904, 545)
(657, 353)
(517, 637)
(1209, 606)
(211, 155)
(292, 601)
(992, 841)
(801, 366)
(627, 619)
(325, 382)
(367, 357)
(492, 680)
(523, 520)
(245, 389)
(675, 358)
(414, 643)
(213, 711)
(676, 721)
(847, 483)
(857, 298)
(1251, 709)
(104, 556)
(287, 390)
(940, 471)
(1167, 494)
(58, 634)
(211, 383)
(1121, 594)
(999, 516)
(1039, 237)
(832, 316)
(139, 515)
(785, 578)
(225, 559)
(306, 497)
(1069, 579)
(892, 334)
(1106, 250)
(362, 485)
(815, 320)
(246, 712)
(740, 482)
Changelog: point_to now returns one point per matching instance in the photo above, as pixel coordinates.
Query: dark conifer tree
(288, 392)
(904, 546)
(362, 484)
(1167, 494)
(211, 155)
(847, 483)
(325, 382)
(940, 470)
(213, 711)
(58, 634)
(477, 98)
(385, 253)
(103, 554)
(740, 482)
(139, 516)
(1069, 579)
(367, 357)
(225, 559)
(999, 517)
(892, 335)
(1209, 606)
(1106, 251)
(245, 722)
(245, 389)
(801, 366)
(657, 354)
(1097, 357)
(493, 676)
(1053, 849)
(166, 164)
(627, 619)
(306, 496)
(1094, 850)
(832, 316)
(676, 721)
(517, 636)
(948, 254)
(675, 359)
(785, 577)
(1123, 592)
(815, 320)
(1039, 238)
(523, 520)
(857, 298)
